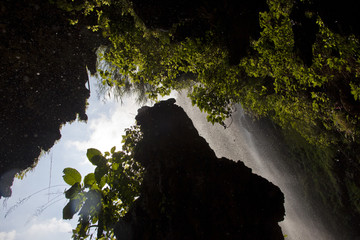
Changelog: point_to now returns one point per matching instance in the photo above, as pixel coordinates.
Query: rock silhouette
(189, 193)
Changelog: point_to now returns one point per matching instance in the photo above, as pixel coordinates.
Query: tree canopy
(319, 100)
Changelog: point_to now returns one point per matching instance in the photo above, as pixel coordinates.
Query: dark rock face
(189, 193)
(43, 80)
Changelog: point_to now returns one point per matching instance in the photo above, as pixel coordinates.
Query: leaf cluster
(105, 195)
(301, 97)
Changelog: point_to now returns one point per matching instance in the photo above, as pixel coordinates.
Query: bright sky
(34, 214)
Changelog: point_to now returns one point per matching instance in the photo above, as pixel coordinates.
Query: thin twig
(23, 200)
(51, 161)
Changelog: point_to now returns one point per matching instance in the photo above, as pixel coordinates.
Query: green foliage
(354, 191)
(355, 90)
(271, 81)
(115, 84)
(105, 195)
(290, 93)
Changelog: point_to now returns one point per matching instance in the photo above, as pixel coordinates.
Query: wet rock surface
(189, 193)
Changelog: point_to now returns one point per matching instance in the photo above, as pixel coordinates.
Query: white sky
(103, 130)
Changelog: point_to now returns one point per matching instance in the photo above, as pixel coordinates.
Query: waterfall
(242, 141)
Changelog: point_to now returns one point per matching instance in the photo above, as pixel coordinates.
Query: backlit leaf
(92, 204)
(91, 152)
(98, 160)
(73, 191)
(71, 176)
(71, 208)
(113, 150)
(89, 180)
(99, 172)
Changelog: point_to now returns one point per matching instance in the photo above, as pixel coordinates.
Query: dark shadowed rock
(43, 80)
(189, 193)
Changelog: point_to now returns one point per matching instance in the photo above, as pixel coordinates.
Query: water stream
(242, 140)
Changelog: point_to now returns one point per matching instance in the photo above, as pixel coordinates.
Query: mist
(244, 140)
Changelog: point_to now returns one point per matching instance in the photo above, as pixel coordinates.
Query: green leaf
(98, 160)
(73, 191)
(71, 208)
(89, 180)
(113, 150)
(103, 181)
(91, 152)
(95, 157)
(92, 204)
(71, 176)
(99, 172)
(115, 166)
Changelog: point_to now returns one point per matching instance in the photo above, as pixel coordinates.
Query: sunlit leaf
(115, 166)
(103, 181)
(113, 149)
(89, 180)
(71, 176)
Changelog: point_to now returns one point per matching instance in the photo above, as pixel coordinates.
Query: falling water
(241, 141)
